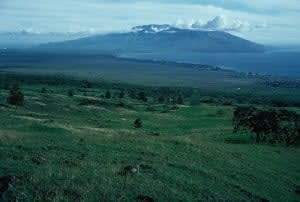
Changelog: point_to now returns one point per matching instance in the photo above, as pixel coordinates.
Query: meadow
(74, 140)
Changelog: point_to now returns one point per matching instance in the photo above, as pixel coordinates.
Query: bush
(138, 123)
(179, 100)
(70, 93)
(15, 97)
(107, 94)
(121, 95)
(43, 90)
(142, 96)
(161, 99)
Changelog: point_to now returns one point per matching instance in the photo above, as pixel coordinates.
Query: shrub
(70, 93)
(138, 123)
(179, 100)
(15, 97)
(43, 90)
(107, 94)
(161, 99)
(121, 95)
(86, 84)
(142, 96)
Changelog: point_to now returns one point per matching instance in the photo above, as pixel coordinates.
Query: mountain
(158, 38)
(25, 39)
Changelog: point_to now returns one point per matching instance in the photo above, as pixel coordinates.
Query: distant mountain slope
(157, 38)
(26, 39)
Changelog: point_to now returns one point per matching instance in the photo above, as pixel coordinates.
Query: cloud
(220, 23)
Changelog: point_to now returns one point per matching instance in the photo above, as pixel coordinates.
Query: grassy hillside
(74, 148)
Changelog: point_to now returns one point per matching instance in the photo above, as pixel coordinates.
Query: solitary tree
(107, 94)
(179, 100)
(138, 123)
(43, 90)
(161, 99)
(70, 93)
(121, 94)
(15, 97)
(142, 96)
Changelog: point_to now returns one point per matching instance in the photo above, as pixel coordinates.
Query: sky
(262, 21)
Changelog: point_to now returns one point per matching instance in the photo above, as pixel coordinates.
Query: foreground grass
(63, 150)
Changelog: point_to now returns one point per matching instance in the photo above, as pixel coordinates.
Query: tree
(268, 125)
(107, 94)
(86, 84)
(15, 97)
(138, 123)
(6, 86)
(70, 93)
(179, 100)
(43, 90)
(161, 99)
(121, 94)
(142, 96)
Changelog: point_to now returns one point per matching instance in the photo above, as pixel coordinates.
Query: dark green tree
(142, 96)
(107, 94)
(121, 94)
(161, 99)
(138, 123)
(70, 93)
(16, 97)
(179, 100)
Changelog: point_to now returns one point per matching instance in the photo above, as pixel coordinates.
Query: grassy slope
(84, 147)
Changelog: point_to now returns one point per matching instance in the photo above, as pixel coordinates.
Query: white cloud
(220, 23)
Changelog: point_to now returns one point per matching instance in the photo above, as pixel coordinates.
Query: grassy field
(72, 148)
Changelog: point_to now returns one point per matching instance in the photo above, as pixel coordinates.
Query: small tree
(138, 123)
(70, 93)
(43, 90)
(179, 100)
(86, 84)
(15, 97)
(107, 94)
(121, 94)
(161, 99)
(142, 96)
(6, 86)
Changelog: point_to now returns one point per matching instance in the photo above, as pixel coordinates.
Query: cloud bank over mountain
(264, 21)
(220, 23)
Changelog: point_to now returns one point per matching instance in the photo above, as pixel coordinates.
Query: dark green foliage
(142, 97)
(70, 93)
(6, 86)
(107, 94)
(269, 125)
(179, 100)
(86, 84)
(138, 123)
(121, 94)
(43, 90)
(161, 99)
(15, 97)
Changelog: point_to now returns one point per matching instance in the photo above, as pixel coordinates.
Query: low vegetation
(144, 143)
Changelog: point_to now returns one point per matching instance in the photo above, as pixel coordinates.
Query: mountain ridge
(158, 38)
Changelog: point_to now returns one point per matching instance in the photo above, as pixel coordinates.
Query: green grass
(195, 157)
